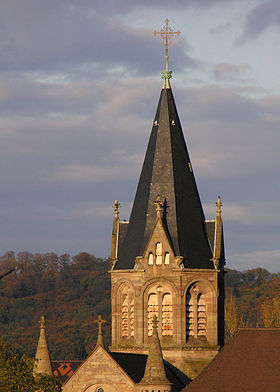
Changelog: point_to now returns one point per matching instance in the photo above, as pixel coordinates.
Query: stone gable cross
(100, 321)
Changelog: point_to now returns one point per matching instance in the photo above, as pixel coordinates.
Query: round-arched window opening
(100, 390)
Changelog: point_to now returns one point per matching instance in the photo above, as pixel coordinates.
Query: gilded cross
(100, 321)
(166, 33)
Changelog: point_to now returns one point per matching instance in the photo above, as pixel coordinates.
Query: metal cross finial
(100, 321)
(166, 33)
(116, 207)
(158, 205)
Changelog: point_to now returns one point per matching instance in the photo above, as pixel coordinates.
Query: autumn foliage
(71, 292)
(16, 374)
(252, 299)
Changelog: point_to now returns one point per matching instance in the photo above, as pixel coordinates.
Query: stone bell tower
(168, 261)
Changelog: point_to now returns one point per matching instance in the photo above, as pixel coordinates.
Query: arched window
(160, 305)
(125, 317)
(127, 311)
(167, 315)
(190, 316)
(159, 253)
(152, 311)
(196, 317)
(132, 317)
(151, 259)
(166, 258)
(201, 316)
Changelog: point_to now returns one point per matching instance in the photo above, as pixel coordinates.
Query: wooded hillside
(71, 292)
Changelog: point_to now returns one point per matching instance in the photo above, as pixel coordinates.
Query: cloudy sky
(79, 85)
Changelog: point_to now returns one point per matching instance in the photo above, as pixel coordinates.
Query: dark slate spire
(167, 172)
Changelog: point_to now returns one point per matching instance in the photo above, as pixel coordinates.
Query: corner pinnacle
(116, 207)
(219, 206)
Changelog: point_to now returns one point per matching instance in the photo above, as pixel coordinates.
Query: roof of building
(167, 171)
(134, 365)
(249, 362)
(65, 369)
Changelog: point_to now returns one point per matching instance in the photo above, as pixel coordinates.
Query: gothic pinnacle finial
(42, 322)
(219, 206)
(166, 33)
(155, 323)
(116, 207)
(158, 205)
(100, 321)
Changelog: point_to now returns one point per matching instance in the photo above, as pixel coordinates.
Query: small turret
(154, 376)
(42, 358)
(218, 240)
(115, 234)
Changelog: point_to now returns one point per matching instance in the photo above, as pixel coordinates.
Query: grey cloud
(221, 28)
(101, 141)
(73, 38)
(125, 7)
(213, 103)
(261, 17)
(232, 72)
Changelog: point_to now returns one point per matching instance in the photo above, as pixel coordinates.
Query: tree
(231, 317)
(16, 374)
(270, 313)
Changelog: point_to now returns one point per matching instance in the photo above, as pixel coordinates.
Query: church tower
(168, 261)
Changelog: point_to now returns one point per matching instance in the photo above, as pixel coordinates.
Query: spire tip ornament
(116, 207)
(166, 33)
(42, 322)
(219, 206)
(158, 205)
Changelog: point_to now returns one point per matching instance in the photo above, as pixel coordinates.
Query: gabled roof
(89, 371)
(249, 362)
(134, 365)
(65, 369)
(167, 171)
